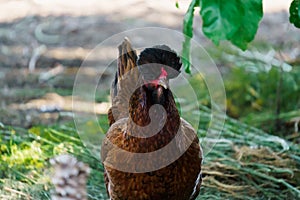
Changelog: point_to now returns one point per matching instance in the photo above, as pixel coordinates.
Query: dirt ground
(43, 43)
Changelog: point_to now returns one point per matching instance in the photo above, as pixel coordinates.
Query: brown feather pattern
(178, 180)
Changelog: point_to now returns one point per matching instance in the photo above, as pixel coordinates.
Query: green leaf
(176, 4)
(188, 32)
(186, 57)
(233, 20)
(188, 19)
(295, 13)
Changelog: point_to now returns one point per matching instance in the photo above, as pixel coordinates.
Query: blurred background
(44, 42)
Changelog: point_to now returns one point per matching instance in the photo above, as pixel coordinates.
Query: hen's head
(157, 66)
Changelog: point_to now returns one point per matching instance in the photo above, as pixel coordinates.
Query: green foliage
(245, 164)
(24, 167)
(236, 21)
(188, 32)
(26, 156)
(254, 95)
(176, 4)
(257, 90)
(295, 13)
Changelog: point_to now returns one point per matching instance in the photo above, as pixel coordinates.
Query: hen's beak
(162, 81)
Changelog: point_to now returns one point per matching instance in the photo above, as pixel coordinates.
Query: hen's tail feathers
(125, 80)
(69, 178)
(127, 58)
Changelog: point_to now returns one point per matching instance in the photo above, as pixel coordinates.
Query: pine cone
(69, 178)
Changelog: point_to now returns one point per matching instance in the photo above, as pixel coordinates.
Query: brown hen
(149, 152)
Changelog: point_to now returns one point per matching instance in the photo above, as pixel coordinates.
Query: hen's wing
(193, 156)
(125, 80)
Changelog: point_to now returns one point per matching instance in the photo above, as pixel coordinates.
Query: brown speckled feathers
(177, 180)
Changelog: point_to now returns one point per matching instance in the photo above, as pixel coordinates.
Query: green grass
(246, 163)
(25, 158)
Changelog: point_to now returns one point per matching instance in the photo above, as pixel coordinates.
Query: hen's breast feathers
(180, 180)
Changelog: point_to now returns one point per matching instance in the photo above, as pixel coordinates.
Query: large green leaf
(295, 13)
(233, 20)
